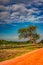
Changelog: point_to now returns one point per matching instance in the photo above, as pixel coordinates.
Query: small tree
(29, 32)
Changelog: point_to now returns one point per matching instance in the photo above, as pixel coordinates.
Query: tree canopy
(29, 32)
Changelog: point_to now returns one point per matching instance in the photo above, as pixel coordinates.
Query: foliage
(41, 41)
(29, 32)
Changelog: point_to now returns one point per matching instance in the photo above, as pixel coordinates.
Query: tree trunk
(34, 43)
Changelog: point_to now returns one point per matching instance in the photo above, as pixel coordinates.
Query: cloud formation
(12, 11)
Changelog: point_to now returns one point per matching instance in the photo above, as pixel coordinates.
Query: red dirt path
(33, 58)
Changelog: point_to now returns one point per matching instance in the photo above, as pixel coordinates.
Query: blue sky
(15, 14)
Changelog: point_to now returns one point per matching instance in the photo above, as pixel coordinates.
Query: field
(9, 53)
(9, 49)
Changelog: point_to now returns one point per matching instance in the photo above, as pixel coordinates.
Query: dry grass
(10, 53)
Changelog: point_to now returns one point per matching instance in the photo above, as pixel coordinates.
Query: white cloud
(4, 15)
(20, 13)
(15, 13)
(2, 7)
(17, 6)
(5, 1)
(41, 37)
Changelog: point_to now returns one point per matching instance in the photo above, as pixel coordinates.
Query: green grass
(6, 54)
(9, 49)
(12, 52)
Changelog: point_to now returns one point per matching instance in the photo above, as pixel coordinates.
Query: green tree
(29, 32)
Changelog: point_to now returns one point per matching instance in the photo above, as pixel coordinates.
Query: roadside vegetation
(10, 50)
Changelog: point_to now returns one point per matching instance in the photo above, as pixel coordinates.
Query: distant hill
(12, 42)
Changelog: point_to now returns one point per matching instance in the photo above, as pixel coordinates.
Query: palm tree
(29, 32)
